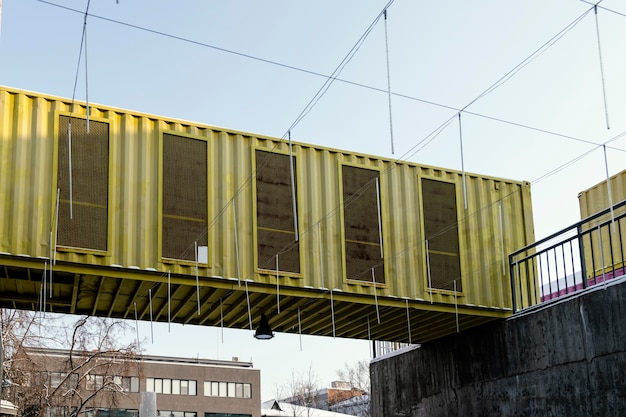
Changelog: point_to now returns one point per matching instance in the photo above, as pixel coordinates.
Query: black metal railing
(584, 254)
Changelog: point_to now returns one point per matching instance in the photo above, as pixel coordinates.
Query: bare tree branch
(87, 358)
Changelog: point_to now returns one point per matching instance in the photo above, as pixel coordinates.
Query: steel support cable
(544, 47)
(606, 109)
(603, 8)
(333, 77)
(388, 83)
(381, 90)
(578, 158)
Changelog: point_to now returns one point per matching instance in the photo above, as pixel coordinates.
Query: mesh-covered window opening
(361, 224)
(441, 231)
(274, 209)
(87, 226)
(184, 196)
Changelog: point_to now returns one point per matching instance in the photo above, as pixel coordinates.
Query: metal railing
(584, 254)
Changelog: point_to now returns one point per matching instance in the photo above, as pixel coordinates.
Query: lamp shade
(264, 331)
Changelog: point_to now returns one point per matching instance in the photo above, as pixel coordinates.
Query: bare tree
(358, 378)
(57, 365)
(357, 375)
(301, 392)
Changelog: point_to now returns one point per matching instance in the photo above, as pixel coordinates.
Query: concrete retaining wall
(567, 358)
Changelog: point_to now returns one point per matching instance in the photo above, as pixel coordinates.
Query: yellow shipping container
(605, 236)
(197, 224)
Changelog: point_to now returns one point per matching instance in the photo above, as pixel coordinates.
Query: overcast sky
(255, 65)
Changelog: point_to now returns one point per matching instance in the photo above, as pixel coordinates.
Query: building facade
(114, 387)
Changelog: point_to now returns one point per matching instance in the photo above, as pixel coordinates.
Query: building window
(52, 379)
(111, 412)
(227, 389)
(115, 382)
(441, 234)
(83, 206)
(171, 386)
(167, 386)
(127, 383)
(276, 227)
(362, 224)
(225, 415)
(184, 198)
(130, 384)
(94, 382)
(56, 411)
(163, 413)
(158, 385)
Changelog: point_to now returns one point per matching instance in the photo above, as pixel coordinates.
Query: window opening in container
(441, 232)
(87, 200)
(276, 234)
(362, 224)
(184, 196)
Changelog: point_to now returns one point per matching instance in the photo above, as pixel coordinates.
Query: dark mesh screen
(275, 221)
(90, 173)
(185, 213)
(360, 210)
(441, 231)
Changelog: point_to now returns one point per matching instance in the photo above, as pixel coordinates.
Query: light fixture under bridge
(264, 331)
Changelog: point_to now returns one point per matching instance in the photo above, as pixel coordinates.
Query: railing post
(581, 251)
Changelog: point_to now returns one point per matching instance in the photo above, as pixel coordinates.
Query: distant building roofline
(145, 358)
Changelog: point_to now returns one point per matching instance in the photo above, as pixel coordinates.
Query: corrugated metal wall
(607, 244)
(497, 220)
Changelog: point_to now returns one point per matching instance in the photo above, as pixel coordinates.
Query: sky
(254, 66)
